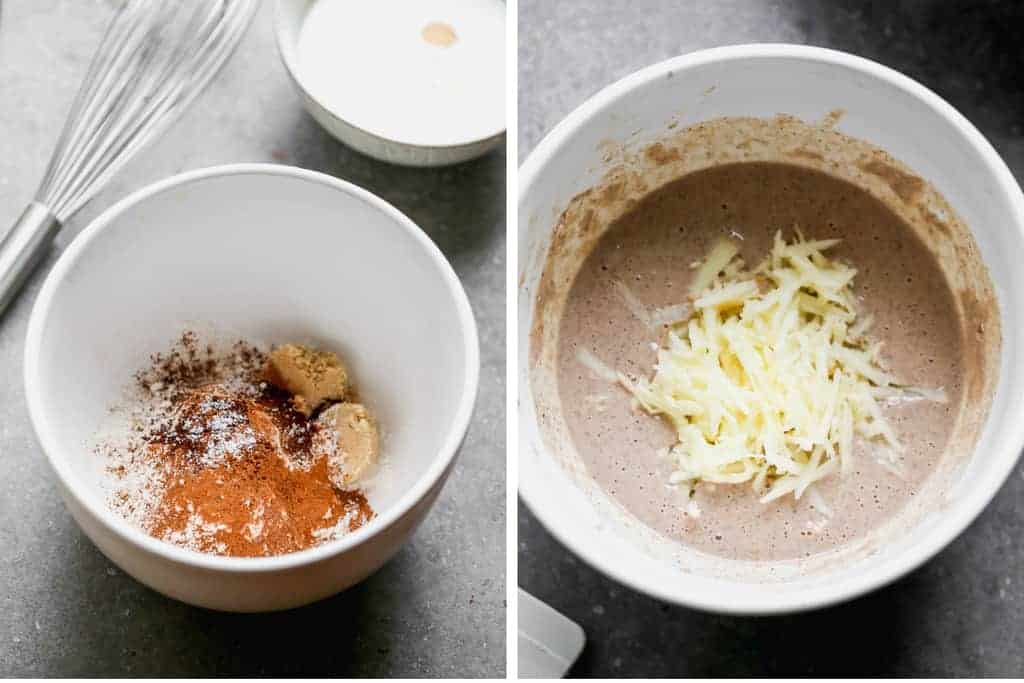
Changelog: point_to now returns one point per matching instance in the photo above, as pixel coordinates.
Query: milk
(423, 72)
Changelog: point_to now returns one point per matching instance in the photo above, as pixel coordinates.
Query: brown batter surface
(650, 249)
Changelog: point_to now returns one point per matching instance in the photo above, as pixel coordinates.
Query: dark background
(959, 615)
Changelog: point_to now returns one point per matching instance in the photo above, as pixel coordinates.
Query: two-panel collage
(511, 339)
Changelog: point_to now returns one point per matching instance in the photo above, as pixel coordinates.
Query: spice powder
(219, 461)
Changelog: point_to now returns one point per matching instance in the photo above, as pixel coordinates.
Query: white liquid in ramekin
(422, 72)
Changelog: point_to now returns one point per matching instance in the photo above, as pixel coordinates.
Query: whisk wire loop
(155, 57)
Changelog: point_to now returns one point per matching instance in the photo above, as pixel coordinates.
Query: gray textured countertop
(961, 614)
(438, 608)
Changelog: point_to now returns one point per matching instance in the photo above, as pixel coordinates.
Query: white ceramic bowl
(882, 107)
(265, 253)
(289, 17)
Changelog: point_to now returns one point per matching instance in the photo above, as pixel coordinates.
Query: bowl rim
(958, 517)
(293, 73)
(248, 565)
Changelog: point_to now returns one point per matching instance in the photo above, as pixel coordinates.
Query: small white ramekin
(882, 107)
(269, 254)
(288, 18)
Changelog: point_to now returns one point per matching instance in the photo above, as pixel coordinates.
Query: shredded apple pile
(772, 375)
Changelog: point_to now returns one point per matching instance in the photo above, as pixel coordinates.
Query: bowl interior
(267, 256)
(763, 81)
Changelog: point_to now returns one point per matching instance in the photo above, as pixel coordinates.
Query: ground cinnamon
(229, 457)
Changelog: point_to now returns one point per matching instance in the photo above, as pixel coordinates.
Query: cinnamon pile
(220, 461)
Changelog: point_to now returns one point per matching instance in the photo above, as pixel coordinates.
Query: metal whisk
(155, 58)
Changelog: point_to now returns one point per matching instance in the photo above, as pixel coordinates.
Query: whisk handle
(23, 247)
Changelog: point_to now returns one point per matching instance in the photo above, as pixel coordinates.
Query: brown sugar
(347, 436)
(312, 376)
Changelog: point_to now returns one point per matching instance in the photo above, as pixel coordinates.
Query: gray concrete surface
(960, 615)
(439, 607)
